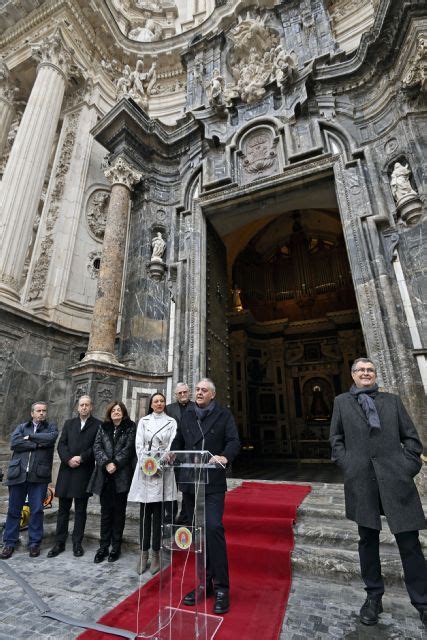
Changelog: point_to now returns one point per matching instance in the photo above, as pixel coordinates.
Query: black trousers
(216, 547)
(113, 516)
(63, 517)
(413, 563)
(150, 525)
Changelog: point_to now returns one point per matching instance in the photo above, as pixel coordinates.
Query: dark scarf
(202, 412)
(365, 397)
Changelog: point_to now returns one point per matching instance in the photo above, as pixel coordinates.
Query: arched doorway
(294, 329)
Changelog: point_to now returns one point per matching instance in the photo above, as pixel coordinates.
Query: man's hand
(74, 462)
(169, 457)
(111, 467)
(218, 460)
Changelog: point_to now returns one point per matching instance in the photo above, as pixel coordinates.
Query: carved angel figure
(124, 83)
(142, 83)
(284, 66)
(399, 183)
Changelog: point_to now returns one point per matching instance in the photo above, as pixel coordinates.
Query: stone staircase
(326, 542)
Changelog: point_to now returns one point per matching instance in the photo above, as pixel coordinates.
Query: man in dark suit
(210, 427)
(75, 448)
(176, 410)
(375, 442)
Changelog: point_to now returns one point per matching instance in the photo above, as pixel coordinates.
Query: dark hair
(150, 408)
(110, 408)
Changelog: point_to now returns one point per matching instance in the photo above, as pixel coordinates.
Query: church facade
(232, 189)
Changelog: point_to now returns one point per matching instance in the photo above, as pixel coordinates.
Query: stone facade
(229, 126)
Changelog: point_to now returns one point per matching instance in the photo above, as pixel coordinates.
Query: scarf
(365, 397)
(201, 412)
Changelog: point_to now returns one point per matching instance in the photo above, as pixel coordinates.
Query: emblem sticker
(149, 466)
(183, 538)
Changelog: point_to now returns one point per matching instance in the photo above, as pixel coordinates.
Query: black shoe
(78, 550)
(423, 616)
(222, 602)
(190, 598)
(57, 548)
(100, 555)
(114, 555)
(35, 551)
(370, 610)
(6, 552)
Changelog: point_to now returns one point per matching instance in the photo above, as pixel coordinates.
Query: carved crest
(259, 154)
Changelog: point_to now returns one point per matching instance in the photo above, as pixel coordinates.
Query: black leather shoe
(114, 555)
(370, 610)
(423, 616)
(78, 550)
(100, 555)
(190, 599)
(6, 552)
(57, 548)
(34, 551)
(222, 602)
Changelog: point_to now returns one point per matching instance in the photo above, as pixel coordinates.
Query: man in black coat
(75, 448)
(209, 427)
(375, 442)
(28, 475)
(176, 410)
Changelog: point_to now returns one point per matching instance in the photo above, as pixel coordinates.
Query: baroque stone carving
(256, 59)
(258, 151)
(41, 269)
(96, 213)
(53, 51)
(417, 74)
(149, 31)
(400, 184)
(157, 267)
(122, 173)
(7, 90)
(94, 263)
(137, 84)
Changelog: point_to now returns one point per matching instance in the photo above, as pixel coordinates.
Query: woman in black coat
(114, 451)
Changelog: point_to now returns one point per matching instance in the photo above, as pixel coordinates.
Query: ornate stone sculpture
(96, 213)
(400, 184)
(149, 32)
(157, 266)
(417, 74)
(257, 58)
(124, 83)
(215, 91)
(137, 84)
(408, 203)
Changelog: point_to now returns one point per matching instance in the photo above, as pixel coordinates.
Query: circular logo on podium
(149, 466)
(183, 538)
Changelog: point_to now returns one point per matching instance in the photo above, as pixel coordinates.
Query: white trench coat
(159, 432)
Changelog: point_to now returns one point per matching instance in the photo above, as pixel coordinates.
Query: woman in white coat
(154, 435)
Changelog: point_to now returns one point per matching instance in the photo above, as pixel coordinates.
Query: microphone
(150, 444)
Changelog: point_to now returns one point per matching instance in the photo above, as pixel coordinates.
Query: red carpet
(258, 522)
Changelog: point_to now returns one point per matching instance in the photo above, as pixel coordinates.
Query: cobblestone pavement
(318, 609)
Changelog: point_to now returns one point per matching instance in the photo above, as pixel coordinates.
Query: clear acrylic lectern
(183, 551)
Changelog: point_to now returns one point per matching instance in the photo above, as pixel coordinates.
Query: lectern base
(179, 624)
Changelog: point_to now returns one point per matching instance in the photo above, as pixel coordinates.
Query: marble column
(7, 109)
(106, 309)
(28, 160)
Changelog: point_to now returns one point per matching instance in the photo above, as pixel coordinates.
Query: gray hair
(210, 383)
(181, 384)
(38, 402)
(84, 396)
(364, 361)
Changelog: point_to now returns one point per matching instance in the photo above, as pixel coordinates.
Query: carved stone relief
(417, 74)
(96, 213)
(258, 154)
(94, 263)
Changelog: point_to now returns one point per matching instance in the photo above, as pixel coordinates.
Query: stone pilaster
(106, 310)
(7, 109)
(28, 160)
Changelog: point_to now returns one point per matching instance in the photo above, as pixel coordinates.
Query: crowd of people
(109, 459)
(372, 437)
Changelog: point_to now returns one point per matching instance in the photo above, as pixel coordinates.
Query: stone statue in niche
(237, 305)
(158, 248)
(216, 89)
(399, 182)
(157, 267)
(319, 410)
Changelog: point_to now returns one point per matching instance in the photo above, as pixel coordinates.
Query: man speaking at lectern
(208, 426)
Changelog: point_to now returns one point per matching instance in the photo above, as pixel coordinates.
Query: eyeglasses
(182, 393)
(368, 370)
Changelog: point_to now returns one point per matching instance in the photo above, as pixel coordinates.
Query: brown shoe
(35, 551)
(6, 552)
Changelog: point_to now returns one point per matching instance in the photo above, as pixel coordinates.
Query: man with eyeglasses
(375, 442)
(208, 426)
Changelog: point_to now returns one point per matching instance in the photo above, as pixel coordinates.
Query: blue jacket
(34, 453)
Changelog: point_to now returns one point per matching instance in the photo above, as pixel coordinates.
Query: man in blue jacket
(29, 474)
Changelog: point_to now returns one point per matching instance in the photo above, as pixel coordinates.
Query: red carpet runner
(258, 522)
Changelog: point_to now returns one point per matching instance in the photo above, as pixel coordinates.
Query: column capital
(123, 173)
(53, 52)
(8, 92)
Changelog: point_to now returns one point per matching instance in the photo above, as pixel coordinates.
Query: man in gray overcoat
(375, 442)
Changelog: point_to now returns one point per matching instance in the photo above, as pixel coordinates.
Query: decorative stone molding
(94, 263)
(8, 92)
(96, 213)
(122, 173)
(417, 74)
(52, 51)
(41, 269)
